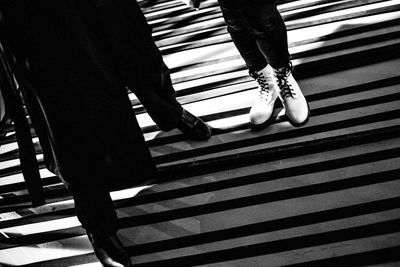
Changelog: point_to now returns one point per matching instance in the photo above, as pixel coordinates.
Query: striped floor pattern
(325, 194)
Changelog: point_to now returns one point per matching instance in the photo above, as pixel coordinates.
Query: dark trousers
(139, 60)
(80, 57)
(258, 31)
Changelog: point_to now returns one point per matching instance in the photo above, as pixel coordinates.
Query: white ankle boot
(293, 100)
(262, 109)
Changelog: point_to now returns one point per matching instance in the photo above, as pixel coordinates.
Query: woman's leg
(268, 29)
(245, 39)
(242, 38)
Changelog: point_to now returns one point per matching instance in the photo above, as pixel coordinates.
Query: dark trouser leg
(95, 209)
(139, 60)
(259, 31)
(242, 38)
(157, 96)
(268, 28)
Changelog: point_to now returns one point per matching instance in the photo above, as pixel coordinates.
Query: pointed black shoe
(109, 250)
(193, 127)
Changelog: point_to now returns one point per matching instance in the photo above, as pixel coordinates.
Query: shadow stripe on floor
(180, 155)
(220, 185)
(267, 226)
(205, 166)
(282, 245)
(182, 170)
(219, 235)
(268, 197)
(253, 250)
(369, 258)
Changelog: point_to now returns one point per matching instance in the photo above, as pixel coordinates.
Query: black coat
(75, 74)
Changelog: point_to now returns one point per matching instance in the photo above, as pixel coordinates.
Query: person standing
(259, 33)
(76, 58)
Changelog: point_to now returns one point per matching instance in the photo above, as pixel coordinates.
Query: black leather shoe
(109, 250)
(193, 127)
